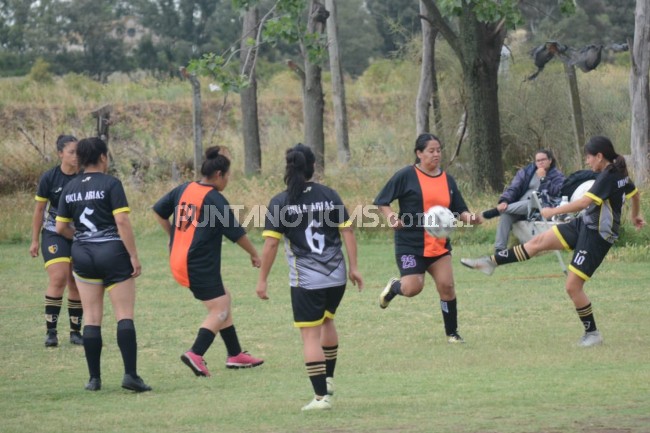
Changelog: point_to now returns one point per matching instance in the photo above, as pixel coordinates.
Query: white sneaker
(483, 264)
(330, 385)
(383, 302)
(322, 404)
(591, 339)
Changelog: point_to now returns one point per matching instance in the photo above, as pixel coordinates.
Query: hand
(137, 268)
(394, 222)
(33, 249)
(501, 207)
(638, 222)
(547, 212)
(256, 261)
(355, 277)
(541, 172)
(261, 290)
(476, 218)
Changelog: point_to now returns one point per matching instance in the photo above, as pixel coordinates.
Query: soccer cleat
(383, 302)
(455, 338)
(134, 383)
(51, 338)
(243, 360)
(196, 363)
(330, 385)
(76, 338)
(316, 404)
(94, 384)
(483, 264)
(591, 339)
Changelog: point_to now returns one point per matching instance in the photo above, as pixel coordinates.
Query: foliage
(40, 72)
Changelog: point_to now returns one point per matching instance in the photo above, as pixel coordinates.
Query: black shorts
(411, 264)
(589, 248)
(55, 248)
(208, 293)
(102, 263)
(312, 306)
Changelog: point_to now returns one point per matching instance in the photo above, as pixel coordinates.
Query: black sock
(512, 255)
(449, 316)
(586, 316)
(316, 373)
(75, 312)
(395, 289)
(229, 336)
(52, 311)
(331, 353)
(203, 341)
(128, 345)
(93, 348)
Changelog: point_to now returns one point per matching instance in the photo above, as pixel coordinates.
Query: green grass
(518, 372)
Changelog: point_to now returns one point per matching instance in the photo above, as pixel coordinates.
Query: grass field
(519, 371)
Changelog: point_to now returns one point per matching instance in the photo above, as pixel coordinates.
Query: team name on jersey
(90, 195)
(621, 183)
(296, 209)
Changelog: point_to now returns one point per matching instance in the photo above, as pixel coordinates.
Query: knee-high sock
(128, 345)
(93, 348)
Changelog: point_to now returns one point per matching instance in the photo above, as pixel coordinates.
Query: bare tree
(248, 94)
(639, 91)
(428, 89)
(338, 85)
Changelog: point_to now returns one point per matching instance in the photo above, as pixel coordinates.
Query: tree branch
(441, 24)
(295, 68)
(31, 141)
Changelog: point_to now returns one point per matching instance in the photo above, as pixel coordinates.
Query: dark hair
(89, 150)
(300, 168)
(549, 155)
(600, 144)
(421, 143)
(63, 140)
(214, 162)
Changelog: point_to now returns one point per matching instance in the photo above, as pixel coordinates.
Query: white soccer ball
(439, 222)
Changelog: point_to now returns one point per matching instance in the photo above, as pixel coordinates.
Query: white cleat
(483, 264)
(591, 339)
(322, 404)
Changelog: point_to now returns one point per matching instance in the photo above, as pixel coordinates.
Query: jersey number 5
(85, 221)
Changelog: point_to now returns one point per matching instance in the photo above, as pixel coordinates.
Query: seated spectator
(514, 204)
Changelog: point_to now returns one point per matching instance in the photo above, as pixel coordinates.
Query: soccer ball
(439, 222)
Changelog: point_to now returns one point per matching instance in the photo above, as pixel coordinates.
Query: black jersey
(312, 241)
(608, 193)
(49, 190)
(202, 216)
(90, 201)
(416, 192)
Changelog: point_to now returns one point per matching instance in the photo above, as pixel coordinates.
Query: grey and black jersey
(312, 241)
(49, 190)
(90, 201)
(608, 193)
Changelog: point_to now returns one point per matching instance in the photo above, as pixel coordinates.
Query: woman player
(201, 217)
(104, 258)
(56, 248)
(312, 218)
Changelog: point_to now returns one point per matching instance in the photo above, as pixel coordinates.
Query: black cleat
(134, 383)
(51, 338)
(76, 338)
(94, 384)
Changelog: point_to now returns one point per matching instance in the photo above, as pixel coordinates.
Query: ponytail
(300, 161)
(600, 144)
(214, 162)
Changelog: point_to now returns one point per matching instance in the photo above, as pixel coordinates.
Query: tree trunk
(481, 44)
(576, 111)
(248, 96)
(197, 115)
(338, 85)
(427, 72)
(639, 94)
(313, 98)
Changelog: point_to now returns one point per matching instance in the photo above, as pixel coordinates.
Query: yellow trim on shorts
(97, 281)
(58, 260)
(318, 322)
(110, 286)
(63, 220)
(271, 234)
(121, 209)
(595, 198)
(632, 193)
(39, 198)
(578, 273)
(561, 238)
(346, 224)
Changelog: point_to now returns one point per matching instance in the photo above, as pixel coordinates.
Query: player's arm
(164, 223)
(125, 230)
(350, 242)
(637, 218)
(63, 227)
(393, 220)
(37, 223)
(571, 207)
(269, 252)
(245, 243)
